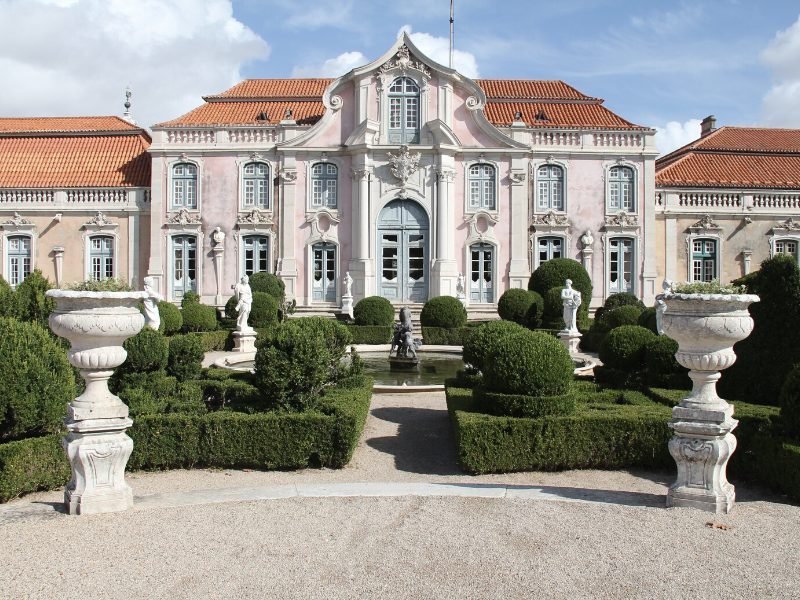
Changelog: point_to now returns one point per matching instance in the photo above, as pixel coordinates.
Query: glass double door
(481, 287)
(184, 265)
(403, 252)
(323, 287)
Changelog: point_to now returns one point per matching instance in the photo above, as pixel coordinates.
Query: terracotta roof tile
(64, 124)
(544, 114)
(34, 161)
(276, 88)
(247, 113)
(759, 139)
(530, 89)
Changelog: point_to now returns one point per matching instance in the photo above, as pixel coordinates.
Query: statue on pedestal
(661, 306)
(244, 299)
(403, 338)
(152, 318)
(348, 284)
(572, 300)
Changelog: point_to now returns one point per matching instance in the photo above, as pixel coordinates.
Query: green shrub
(592, 339)
(373, 310)
(624, 347)
(37, 380)
(264, 310)
(528, 363)
(439, 336)
(615, 301)
(198, 317)
(109, 284)
(7, 304)
(522, 405)
(190, 297)
(147, 351)
(171, 318)
(521, 306)
(553, 313)
(660, 364)
(790, 403)
(622, 315)
(267, 283)
(481, 342)
(370, 334)
(299, 359)
(30, 300)
(215, 340)
(443, 311)
(648, 319)
(554, 273)
(31, 465)
(186, 399)
(185, 357)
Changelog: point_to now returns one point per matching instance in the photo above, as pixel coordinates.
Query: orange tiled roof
(747, 157)
(563, 105)
(75, 152)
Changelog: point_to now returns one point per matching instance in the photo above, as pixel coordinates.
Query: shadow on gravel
(424, 442)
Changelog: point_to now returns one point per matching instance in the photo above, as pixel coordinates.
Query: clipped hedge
(789, 401)
(215, 340)
(264, 311)
(267, 283)
(32, 465)
(624, 347)
(370, 334)
(521, 306)
(171, 318)
(373, 310)
(648, 319)
(622, 315)
(30, 301)
(519, 405)
(553, 273)
(445, 312)
(185, 356)
(615, 301)
(440, 336)
(660, 365)
(147, 351)
(480, 343)
(198, 317)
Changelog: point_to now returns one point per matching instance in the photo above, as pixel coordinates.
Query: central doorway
(403, 252)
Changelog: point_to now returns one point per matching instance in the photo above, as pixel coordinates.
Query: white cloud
(438, 49)
(313, 14)
(673, 135)
(333, 67)
(75, 57)
(781, 104)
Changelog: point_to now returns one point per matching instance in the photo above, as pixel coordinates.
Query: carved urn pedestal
(570, 339)
(244, 340)
(347, 305)
(706, 326)
(96, 324)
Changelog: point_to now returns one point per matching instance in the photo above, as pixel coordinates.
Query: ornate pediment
(323, 226)
(288, 175)
(705, 223)
(256, 217)
(99, 220)
(622, 219)
(184, 217)
(403, 60)
(789, 225)
(551, 218)
(18, 220)
(404, 164)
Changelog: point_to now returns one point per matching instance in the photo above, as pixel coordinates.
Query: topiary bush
(267, 283)
(553, 313)
(624, 347)
(373, 310)
(171, 318)
(298, 359)
(198, 317)
(647, 319)
(790, 404)
(662, 370)
(190, 297)
(30, 302)
(264, 310)
(185, 357)
(521, 306)
(37, 380)
(617, 300)
(553, 273)
(148, 351)
(622, 315)
(7, 306)
(480, 343)
(443, 311)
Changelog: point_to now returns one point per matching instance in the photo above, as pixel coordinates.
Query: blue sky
(664, 64)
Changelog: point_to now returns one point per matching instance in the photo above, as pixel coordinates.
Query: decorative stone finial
(127, 114)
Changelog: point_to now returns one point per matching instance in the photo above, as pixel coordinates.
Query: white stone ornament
(96, 324)
(706, 326)
(152, 318)
(404, 164)
(244, 337)
(571, 300)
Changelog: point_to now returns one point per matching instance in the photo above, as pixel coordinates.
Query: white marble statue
(218, 237)
(661, 306)
(460, 289)
(572, 300)
(152, 318)
(244, 301)
(348, 284)
(587, 239)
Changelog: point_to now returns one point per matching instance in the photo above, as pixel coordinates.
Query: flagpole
(451, 33)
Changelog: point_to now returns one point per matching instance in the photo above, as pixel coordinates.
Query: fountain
(405, 357)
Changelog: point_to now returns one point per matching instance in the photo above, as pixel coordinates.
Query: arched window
(324, 183)
(551, 187)
(184, 186)
(256, 254)
(482, 186)
(101, 257)
(19, 259)
(621, 189)
(403, 111)
(704, 259)
(255, 193)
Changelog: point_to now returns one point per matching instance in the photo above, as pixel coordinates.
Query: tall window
(324, 284)
(184, 265)
(620, 189)
(101, 257)
(19, 259)
(403, 111)
(481, 288)
(324, 181)
(256, 186)
(256, 254)
(482, 186)
(704, 260)
(184, 186)
(551, 187)
(620, 265)
(550, 247)
(786, 247)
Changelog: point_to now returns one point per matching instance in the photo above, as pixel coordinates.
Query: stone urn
(706, 326)
(96, 324)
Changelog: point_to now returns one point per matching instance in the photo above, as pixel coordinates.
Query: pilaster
(519, 270)
(444, 273)
(360, 265)
(287, 262)
(155, 268)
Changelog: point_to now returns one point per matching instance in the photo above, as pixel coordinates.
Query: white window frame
(404, 113)
(537, 209)
(336, 271)
(243, 178)
(468, 271)
(783, 235)
(243, 235)
(538, 237)
(634, 270)
(11, 230)
(310, 206)
(172, 207)
(8, 255)
(714, 234)
(468, 208)
(632, 232)
(634, 209)
(384, 83)
(198, 267)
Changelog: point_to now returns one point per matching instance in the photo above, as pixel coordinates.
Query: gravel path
(617, 541)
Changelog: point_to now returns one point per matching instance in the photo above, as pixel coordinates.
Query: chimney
(708, 125)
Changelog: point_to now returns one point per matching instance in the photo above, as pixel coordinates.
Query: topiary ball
(148, 351)
(37, 381)
(373, 310)
(480, 342)
(443, 311)
(515, 304)
(624, 347)
(535, 315)
(529, 363)
(171, 318)
(554, 273)
(789, 401)
(659, 360)
(263, 311)
(190, 297)
(268, 283)
(648, 319)
(199, 317)
(615, 301)
(185, 357)
(553, 314)
(622, 315)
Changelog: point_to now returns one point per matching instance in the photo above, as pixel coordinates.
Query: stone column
(360, 266)
(519, 270)
(158, 199)
(444, 273)
(217, 255)
(287, 263)
(747, 257)
(58, 257)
